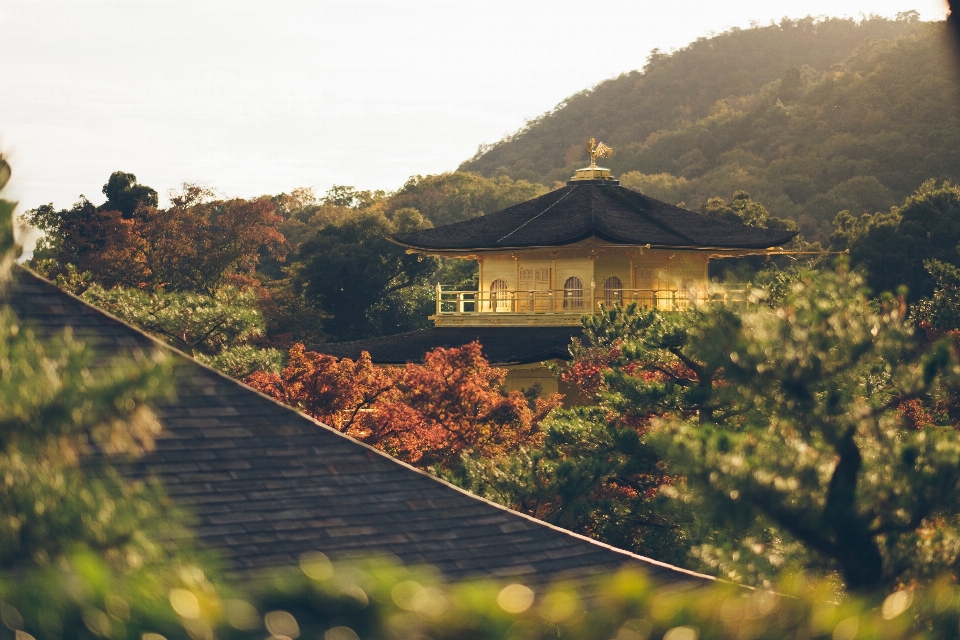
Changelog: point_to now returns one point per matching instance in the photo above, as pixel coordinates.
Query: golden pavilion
(544, 263)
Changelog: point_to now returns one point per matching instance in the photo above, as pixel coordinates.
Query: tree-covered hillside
(811, 117)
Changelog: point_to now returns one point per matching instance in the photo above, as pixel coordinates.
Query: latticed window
(573, 293)
(499, 299)
(612, 291)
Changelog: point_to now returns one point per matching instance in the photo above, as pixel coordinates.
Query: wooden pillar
(516, 288)
(553, 283)
(593, 284)
(478, 305)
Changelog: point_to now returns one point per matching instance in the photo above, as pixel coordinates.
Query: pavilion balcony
(561, 307)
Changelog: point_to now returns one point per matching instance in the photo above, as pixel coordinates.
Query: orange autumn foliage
(425, 414)
(916, 414)
(198, 244)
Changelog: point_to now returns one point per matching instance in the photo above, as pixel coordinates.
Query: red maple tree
(200, 244)
(427, 414)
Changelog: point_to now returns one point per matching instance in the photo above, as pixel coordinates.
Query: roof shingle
(608, 211)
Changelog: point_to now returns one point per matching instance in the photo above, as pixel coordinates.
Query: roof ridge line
(656, 220)
(297, 414)
(556, 202)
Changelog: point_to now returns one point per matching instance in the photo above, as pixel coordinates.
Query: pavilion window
(499, 298)
(612, 291)
(573, 293)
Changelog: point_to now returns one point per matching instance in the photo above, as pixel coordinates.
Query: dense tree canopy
(216, 329)
(892, 246)
(322, 267)
(743, 209)
(593, 472)
(90, 239)
(360, 277)
(198, 244)
(427, 414)
(676, 89)
(452, 197)
(811, 429)
(822, 441)
(125, 195)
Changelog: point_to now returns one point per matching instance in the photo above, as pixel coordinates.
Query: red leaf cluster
(103, 242)
(916, 414)
(589, 364)
(586, 369)
(422, 414)
(200, 245)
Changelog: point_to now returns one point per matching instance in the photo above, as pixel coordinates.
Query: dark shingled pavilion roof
(607, 211)
(267, 484)
(501, 345)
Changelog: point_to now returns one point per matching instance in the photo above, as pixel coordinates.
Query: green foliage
(83, 597)
(892, 246)
(290, 315)
(592, 471)
(452, 197)
(366, 284)
(653, 372)
(215, 329)
(809, 429)
(792, 415)
(65, 418)
(44, 219)
(662, 186)
(814, 442)
(743, 209)
(462, 275)
(7, 243)
(401, 603)
(588, 474)
(241, 360)
(379, 598)
(942, 311)
(125, 195)
(810, 116)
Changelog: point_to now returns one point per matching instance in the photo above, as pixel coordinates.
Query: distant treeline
(319, 268)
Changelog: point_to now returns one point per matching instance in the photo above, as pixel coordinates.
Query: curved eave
(613, 242)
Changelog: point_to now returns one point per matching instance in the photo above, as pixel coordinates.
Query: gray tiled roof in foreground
(267, 483)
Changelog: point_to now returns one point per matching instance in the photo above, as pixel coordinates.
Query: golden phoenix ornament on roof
(597, 150)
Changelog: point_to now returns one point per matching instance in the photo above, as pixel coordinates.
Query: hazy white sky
(262, 97)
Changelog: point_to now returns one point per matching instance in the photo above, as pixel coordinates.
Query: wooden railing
(578, 302)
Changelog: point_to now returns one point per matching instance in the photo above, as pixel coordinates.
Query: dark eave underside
(612, 213)
(501, 345)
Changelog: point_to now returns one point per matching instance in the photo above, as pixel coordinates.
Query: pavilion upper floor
(555, 287)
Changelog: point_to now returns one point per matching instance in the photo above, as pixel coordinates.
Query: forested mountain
(810, 116)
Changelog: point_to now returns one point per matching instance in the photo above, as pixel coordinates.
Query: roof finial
(597, 150)
(594, 173)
